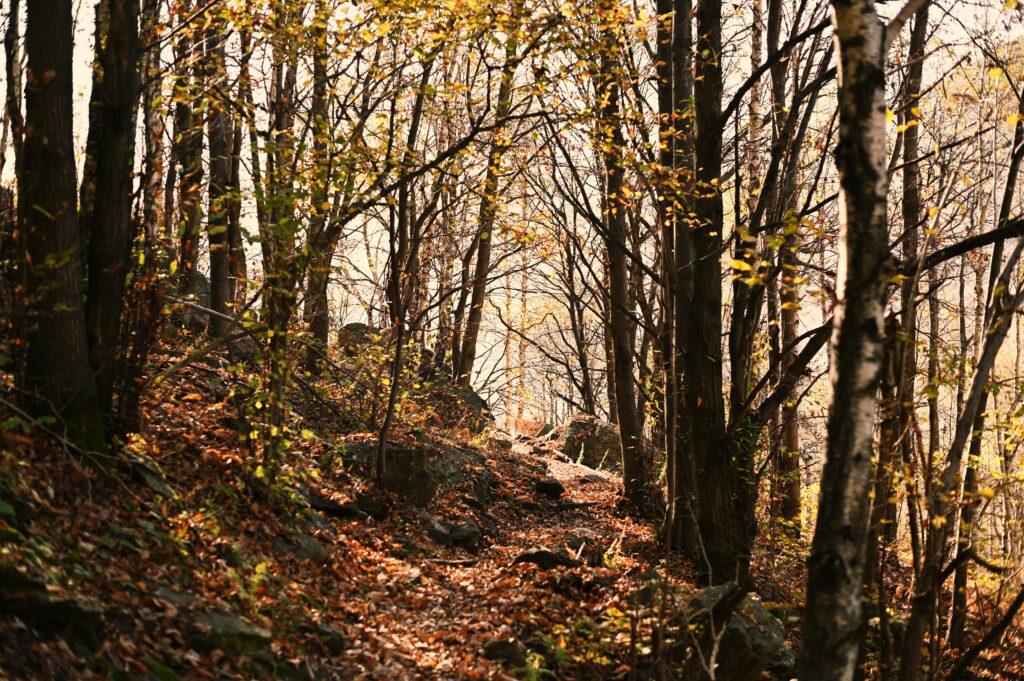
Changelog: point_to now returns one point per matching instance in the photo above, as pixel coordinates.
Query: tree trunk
(836, 565)
(316, 311)
(221, 146)
(188, 152)
(57, 369)
(613, 144)
(108, 221)
(676, 205)
(488, 209)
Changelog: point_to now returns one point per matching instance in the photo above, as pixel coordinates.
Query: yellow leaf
(889, 115)
(987, 492)
(1013, 119)
(1010, 4)
(742, 265)
(995, 72)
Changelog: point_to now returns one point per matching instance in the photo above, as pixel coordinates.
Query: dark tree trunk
(316, 312)
(221, 146)
(488, 209)
(613, 144)
(107, 220)
(188, 153)
(58, 369)
(675, 102)
(724, 502)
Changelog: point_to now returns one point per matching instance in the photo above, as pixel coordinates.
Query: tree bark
(58, 371)
(221, 146)
(612, 144)
(488, 208)
(107, 220)
(836, 565)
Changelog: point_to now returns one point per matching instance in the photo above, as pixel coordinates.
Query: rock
(175, 598)
(529, 428)
(546, 559)
(371, 507)
(233, 553)
(353, 337)
(753, 639)
(333, 640)
(405, 547)
(413, 473)
(438, 531)
(478, 417)
(528, 505)
(550, 488)
(244, 348)
(783, 665)
(586, 544)
(483, 487)
(646, 595)
(146, 471)
(588, 440)
(303, 547)
(228, 632)
(501, 650)
(498, 444)
(77, 622)
(591, 478)
(467, 535)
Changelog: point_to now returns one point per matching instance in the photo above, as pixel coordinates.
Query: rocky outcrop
(222, 630)
(79, 623)
(414, 472)
(590, 441)
(753, 640)
(355, 336)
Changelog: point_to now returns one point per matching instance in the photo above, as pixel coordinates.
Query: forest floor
(178, 571)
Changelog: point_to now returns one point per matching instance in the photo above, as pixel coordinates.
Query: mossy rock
(228, 632)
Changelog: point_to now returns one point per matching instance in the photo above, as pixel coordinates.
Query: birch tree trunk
(836, 565)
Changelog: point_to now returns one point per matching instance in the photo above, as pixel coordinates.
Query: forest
(512, 339)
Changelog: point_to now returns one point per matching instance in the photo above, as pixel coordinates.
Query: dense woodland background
(423, 267)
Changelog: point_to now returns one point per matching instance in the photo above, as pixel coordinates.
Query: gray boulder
(302, 547)
(753, 641)
(467, 535)
(228, 632)
(353, 337)
(588, 440)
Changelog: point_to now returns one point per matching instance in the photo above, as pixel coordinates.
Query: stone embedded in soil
(228, 632)
(438, 531)
(528, 505)
(509, 652)
(550, 488)
(546, 559)
(302, 546)
(78, 622)
(467, 535)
